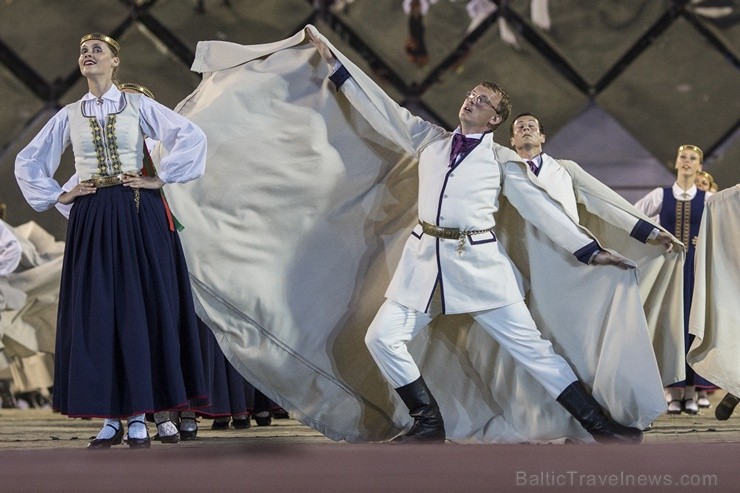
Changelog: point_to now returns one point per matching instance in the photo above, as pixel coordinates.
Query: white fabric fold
(715, 316)
(292, 236)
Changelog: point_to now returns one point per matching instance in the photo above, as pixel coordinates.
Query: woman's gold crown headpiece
(104, 38)
(692, 148)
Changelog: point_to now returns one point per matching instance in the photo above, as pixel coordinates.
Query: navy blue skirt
(230, 393)
(692, 378)
(127, 334)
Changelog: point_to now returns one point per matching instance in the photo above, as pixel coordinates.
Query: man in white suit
(621, 227)
(452, 262)
(527, 139)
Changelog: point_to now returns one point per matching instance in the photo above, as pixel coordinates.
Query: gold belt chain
(451, 234)
(111, 180)
(106, 180)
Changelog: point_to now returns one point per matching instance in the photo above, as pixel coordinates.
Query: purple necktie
(461, 145)
(532, 166)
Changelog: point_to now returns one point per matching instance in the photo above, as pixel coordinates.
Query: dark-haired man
(527, 139)
(617, 224)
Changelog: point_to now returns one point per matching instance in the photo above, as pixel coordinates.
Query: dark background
(618, 84)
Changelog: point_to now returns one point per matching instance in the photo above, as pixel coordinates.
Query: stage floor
(43, 451)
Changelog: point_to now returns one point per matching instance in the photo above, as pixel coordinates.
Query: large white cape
(659, 275)
(715, 315)
(292, 237)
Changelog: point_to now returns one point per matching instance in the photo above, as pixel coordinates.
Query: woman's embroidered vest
(117, 147)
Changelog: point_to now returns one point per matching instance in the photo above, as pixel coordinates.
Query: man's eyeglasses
(480, 99)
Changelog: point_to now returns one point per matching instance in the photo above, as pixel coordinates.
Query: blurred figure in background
(705, 182)
(10, 255)
(416, 47)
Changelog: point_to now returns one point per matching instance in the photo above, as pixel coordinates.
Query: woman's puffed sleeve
(36, 164)
(184, 141)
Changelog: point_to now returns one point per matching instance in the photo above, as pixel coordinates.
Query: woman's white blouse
(185, 142)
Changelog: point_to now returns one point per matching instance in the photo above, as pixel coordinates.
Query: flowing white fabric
(659, 279)
(31, 326)
(10, 298)
(292, 237)
(715, 316)
(28, 327)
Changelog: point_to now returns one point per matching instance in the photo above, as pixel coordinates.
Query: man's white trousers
(511, 326)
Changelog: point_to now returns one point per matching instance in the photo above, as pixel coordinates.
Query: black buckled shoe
(172, 437)
(167, 438)
(137, 443)
(674, 407)
(263, 418)
(188, 435)
(241, 423)
(689, 406)
(220, 424)
(105, 443)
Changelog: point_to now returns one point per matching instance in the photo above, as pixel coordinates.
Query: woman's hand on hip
(136, 181)
(82, 188)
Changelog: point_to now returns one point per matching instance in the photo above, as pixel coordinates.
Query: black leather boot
(428, 424)
(726, 407)
(578, 402)
(7, 400)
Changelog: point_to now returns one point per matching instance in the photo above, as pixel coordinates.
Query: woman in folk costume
(679, 209)
(704, 182)
(127, 337)
(167, 430)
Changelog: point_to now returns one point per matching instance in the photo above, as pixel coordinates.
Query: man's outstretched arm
(392, 121)
(546, 214)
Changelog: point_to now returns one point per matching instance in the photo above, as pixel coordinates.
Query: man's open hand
(608, 258)
(664, 239)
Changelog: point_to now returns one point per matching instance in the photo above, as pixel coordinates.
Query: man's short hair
(511, 127)
(504, 106)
